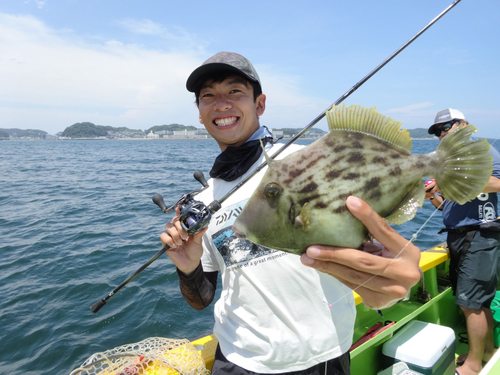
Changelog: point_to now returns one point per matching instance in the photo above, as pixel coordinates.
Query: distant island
(88, 130)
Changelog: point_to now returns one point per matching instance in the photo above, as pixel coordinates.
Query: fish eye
(272, 190)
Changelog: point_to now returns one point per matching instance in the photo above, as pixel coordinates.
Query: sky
(125, 62)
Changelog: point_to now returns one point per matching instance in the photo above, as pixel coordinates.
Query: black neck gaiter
(234, 162)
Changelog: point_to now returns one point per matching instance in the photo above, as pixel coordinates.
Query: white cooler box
(425, 347)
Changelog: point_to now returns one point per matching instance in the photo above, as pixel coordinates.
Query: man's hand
(381, 279)
(431, 189)
(185, 250)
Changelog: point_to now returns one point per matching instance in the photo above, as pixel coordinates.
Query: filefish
(301, 200)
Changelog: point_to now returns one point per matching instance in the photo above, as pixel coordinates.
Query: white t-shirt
(274, 313)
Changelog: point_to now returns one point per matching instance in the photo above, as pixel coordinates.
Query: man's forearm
(198, 288)
(493, 185)
(437, 200)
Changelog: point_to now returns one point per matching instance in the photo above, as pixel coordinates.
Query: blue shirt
(481, 210)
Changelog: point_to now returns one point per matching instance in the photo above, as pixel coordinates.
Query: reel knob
(158, 200)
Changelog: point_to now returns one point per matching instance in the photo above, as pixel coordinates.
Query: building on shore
(152, 135)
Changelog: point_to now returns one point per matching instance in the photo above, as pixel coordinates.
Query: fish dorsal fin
(268, 159)
(368, 121)
(407, 209)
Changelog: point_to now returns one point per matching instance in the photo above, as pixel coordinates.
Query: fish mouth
(239, 233)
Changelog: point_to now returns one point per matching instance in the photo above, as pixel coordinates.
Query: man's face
(446, 129)
(229, 112)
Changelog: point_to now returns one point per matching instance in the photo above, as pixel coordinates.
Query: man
(276, 313)
(473, 240)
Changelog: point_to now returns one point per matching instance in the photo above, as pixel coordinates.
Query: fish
(301, 199)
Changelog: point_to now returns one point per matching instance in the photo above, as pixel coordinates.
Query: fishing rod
(339, 100)
(195, 215)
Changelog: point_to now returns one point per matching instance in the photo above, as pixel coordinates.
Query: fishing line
(413, 238)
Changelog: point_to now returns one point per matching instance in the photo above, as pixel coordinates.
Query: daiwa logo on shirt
(228, 215)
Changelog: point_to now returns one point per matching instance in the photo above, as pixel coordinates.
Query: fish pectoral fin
(304, 218)
(407, 208)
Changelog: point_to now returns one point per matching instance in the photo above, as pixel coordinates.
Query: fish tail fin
(467, 165)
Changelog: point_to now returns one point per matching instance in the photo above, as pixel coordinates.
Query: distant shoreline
(134, 139)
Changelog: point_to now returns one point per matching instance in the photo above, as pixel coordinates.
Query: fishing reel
(194, 215)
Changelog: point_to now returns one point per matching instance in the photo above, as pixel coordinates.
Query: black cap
(223, 61)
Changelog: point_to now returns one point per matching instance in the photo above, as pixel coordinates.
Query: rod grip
(98, 305)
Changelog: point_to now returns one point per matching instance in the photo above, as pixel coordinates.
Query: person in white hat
(474, 242)
(446, 121)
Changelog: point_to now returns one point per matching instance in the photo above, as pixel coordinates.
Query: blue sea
(76, 220)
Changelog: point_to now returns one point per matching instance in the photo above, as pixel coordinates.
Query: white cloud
(181, 38)
(39, 3)
(52, 79)
(44, 73)
(146, 27)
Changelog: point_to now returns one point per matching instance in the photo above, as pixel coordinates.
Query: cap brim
(199, 72)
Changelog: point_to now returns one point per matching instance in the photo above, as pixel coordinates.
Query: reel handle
(200, 177)
(158, 200)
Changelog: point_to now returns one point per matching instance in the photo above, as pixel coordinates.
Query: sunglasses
(444, 128)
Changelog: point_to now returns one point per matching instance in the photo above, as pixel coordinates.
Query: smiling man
(277, 312)
(227, 109)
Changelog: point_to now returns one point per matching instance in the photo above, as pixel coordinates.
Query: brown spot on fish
(419, 164)
(334, 174)
(380, 149)
(371, 184)
(396, 171)
(395, 156)
(379, 160)
(340, 209)
(329, 141)
(296, 173)
(309, 188)
(356, 157)
(284, 167)
(377, 194)
(351, 176)
(320, 205)
(343, 197)
(358, 145)
(312, 163)
(340, 148)
(303, 201)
